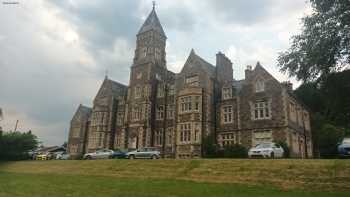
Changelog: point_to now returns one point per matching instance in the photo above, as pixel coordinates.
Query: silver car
(266, 150)
(99, 154)
(144, 153)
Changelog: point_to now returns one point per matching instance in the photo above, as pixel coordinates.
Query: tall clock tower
(147, 73)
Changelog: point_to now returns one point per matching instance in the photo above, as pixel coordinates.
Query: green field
(176, 178)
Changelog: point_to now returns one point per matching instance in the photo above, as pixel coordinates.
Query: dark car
(118, 154)
(344, 148)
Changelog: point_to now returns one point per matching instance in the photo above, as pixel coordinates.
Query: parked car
(63, 156)
(266, 150)
(118, 154)
(44, 156)
(344, 148)
(144, 153)
(99, 154)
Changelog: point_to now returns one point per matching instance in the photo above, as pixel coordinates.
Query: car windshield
(263, 146)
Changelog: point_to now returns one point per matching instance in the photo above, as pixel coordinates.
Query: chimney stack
(288, 85)
(248, 71)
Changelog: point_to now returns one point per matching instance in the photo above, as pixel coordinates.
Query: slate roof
(51, 149)
(118, 89)
(152, 23)
(86, 111)
(238, 84)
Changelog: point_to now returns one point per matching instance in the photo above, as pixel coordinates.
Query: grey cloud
(101, 22)
(251, 12)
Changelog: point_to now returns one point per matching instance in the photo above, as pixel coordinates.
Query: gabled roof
(118, 89)
(195, 60)
(51, 149)
(152, 23)
(111, 88)
(82, 113)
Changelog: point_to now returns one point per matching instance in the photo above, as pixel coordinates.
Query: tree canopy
(323, 46)
(329, 102)
(15, 145)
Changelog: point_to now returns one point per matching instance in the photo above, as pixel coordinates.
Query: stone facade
(175, 112)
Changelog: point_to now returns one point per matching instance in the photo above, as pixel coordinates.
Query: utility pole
(16, 126)
(1, 118)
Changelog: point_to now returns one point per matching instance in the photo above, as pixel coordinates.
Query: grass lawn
(176, 178)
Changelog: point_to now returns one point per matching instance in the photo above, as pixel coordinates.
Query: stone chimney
(224, 70)
(288, 85)
(248, 71)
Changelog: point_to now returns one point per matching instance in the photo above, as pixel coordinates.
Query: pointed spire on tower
(152, 23)
(106, 74)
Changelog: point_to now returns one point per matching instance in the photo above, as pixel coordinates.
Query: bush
(235, 151)
(209, 147)
(328, 139)
(16, 145)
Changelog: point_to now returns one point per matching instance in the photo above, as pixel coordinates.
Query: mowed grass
(176, 178)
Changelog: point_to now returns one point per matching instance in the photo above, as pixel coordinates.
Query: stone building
(175, 112)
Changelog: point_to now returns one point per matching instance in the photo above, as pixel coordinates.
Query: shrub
(235, 151)
(15, 145)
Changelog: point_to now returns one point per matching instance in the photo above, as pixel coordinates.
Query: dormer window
(259, 86)
(226, 93)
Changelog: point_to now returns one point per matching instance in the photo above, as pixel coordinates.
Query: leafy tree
(329, 102)
(209, 147)
(324, 43)
(15, 145)
(328, 139)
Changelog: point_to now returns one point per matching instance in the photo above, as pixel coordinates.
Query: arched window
(259, 86)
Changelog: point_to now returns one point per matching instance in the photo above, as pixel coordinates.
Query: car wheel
(272, 156)
(88, 157)
(131, 156)
(154, 157)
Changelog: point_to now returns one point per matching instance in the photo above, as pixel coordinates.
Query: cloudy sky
(54, 53)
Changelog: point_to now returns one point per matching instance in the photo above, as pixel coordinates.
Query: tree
(329, 102)
(324, 43)
(330, 98)
(209, 147)
(328, 139)
(15, 145)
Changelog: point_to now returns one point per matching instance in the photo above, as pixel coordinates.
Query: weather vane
(154, 4)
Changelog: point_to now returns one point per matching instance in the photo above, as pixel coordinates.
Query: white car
(99, 154)
(266, 150)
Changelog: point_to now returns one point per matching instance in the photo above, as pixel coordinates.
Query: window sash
(227, 114)
(261, 110)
